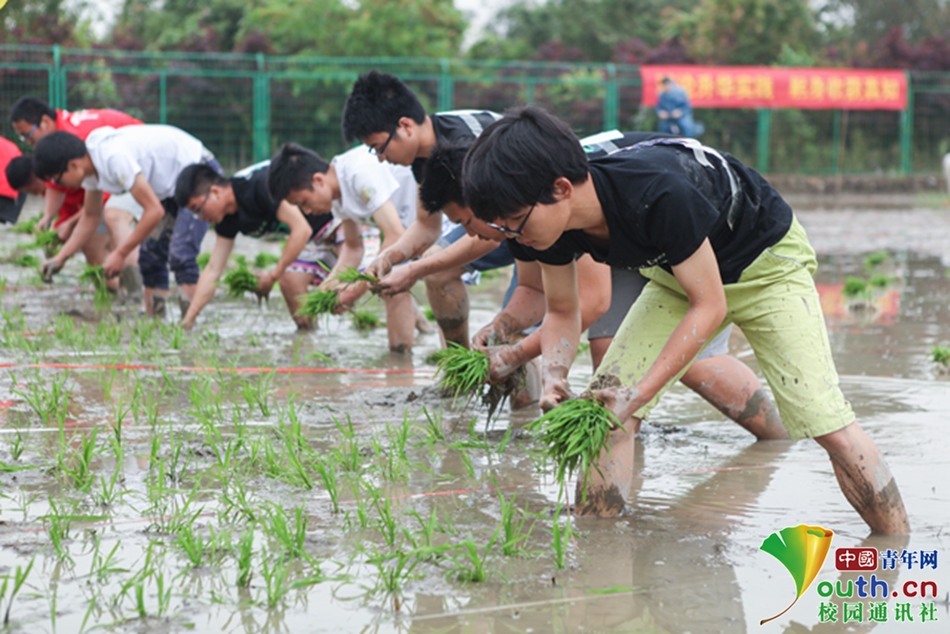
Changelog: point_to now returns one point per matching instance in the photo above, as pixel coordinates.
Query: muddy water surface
(150, 539)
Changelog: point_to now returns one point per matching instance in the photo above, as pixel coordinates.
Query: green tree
(870, 20)
(750, 32)
(44, 22)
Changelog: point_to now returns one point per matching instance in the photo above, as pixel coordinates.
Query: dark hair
(31, 110)
(443, 181)
(376, 104)
(515, 161)
(196, 180)
(293, 168)
(53, 153)
(20, 172)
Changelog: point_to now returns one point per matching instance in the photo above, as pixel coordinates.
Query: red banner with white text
(776, 87)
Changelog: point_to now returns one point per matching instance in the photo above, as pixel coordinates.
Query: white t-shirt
(366, 185)
(159, 152)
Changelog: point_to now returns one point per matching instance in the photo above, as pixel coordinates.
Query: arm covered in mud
(560, 332)
(527, 307)
(418, 236)
(466, 249)
(699, 276)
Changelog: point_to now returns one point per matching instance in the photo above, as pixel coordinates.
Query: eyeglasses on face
(28, 137)
(519, 230)
(382, 148)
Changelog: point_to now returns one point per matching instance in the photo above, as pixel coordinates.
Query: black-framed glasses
(382, 148)
(519, 230)
(197, 210)
(28, 137)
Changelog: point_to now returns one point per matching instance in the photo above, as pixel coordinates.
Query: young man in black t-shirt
(386, 115)
(242, 204)
(719, 246)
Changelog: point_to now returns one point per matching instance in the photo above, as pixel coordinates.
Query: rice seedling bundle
(855, 288)
(48, 240)
(574, 434)
(365, 320)
(941, 355)
(240, 281)
(318, 303)
(95, 275)
(202, 260)
(462, 371)
(351, 276)
(263, 260)
(25, 226)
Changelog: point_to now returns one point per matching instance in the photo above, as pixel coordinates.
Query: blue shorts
(495, 260)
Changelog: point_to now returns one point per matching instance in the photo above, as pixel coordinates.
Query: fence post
(54, 83)
(611, 99)
(446, 86)
(907, 128)
(163, 98)
(836, 142)
(765, 129)
(261, 113)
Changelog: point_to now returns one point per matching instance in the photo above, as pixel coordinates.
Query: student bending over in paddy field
(605, 295)
(242, 204)
(355, 188)
(719, 246)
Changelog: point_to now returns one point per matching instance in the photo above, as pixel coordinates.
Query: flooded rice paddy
(157, 480)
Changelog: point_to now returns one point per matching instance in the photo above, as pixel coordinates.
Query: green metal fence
(244, 106)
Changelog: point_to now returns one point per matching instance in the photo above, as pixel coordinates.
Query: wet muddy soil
(157, 480)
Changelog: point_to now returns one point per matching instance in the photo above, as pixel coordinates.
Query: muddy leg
(448, 298)
(598, 348)
(866, 480)
(292, 285)
(607, 494)
(734, 389)
(400, 322)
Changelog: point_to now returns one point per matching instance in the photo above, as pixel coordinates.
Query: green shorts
(776, 305)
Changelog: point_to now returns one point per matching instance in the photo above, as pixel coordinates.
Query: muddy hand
(622, 401)
(555, 388)
(491, 334)
(113, 264)
(380, 267)
(399, 280)
(50, 268)
(503, 361)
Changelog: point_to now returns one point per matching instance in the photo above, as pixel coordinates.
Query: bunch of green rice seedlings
(263, 260)
(941, 355)
(349, 275)
(27, 260)
(574, 434)
(202, 260)
(365, 320)
(461, 371)
(25, 226)
(876, 259)
(880, 281)
(318, 303)
(96, 276)
(48, 240)
(855, 288)
(240, 281)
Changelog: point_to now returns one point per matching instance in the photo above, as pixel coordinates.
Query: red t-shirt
(82, 123)
(8, 152)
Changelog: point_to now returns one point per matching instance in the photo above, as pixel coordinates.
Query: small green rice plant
(365, 320)
(81, 473)
(387, 525)
(240, 281)
(19, 578)
(471, 566)
(327, 474)
(561, 538)
(940, 355)
(290, 531)
(17, 444)
(27, 261)
(318, 303)
(393, 570)
(26, 226)
(513, 522)
(192, 544)
(876, 259)
(880, 281)
(48, 240)
(573, 435)
(263, 260)
(855, 288)
(349, 275)
(48, 398)
(424, 539)
(461, 371)
(276, 584)
(95, 275)
(202, 259)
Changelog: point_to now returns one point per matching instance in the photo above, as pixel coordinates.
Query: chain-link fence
(244, 106)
